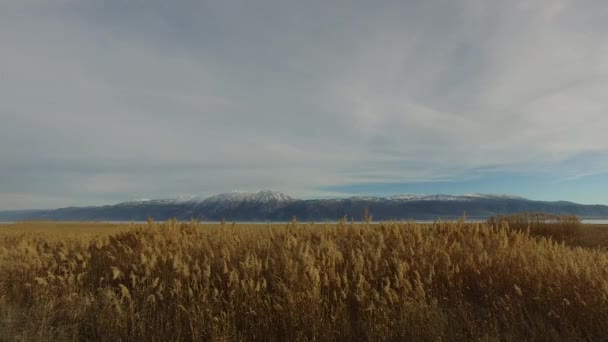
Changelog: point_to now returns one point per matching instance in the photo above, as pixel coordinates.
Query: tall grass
(450, 281)
(561, 228)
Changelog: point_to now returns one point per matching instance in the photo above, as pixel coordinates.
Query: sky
(107, 101)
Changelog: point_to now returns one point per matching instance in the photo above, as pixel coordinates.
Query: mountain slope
(274, 206)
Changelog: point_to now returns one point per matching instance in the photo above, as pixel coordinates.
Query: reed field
(513, 278)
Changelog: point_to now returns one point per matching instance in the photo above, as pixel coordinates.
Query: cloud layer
(110, 100)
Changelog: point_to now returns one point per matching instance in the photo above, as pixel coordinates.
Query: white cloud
(99, 100)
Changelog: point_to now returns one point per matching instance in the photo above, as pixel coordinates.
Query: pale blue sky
(587, 190)
(106, 101)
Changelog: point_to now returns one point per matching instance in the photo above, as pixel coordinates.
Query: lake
(585, 221)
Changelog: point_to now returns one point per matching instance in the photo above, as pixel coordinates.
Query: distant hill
(275, 206)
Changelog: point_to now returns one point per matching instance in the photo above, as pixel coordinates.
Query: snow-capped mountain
(263, 196)
(228, 198)
(493, 196)
(269, 205)
(462, 198)
(268, 196)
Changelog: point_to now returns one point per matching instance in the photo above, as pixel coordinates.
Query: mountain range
(275, 206)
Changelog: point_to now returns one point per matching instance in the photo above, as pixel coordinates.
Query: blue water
(588, 221)
(595, 221)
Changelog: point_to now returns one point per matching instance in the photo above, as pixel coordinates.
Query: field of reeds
(510, 279)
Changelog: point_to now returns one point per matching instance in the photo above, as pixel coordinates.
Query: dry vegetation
(388, 282)
(561, 228)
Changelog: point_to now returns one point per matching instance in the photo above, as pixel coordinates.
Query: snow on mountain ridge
(266, 196)
(439, 197)
(233, 197)
(258, 197)
(494, 196)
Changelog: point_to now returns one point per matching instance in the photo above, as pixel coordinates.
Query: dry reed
(173, 281)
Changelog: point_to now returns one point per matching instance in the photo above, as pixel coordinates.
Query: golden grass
(296, 282)
(561, 228)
